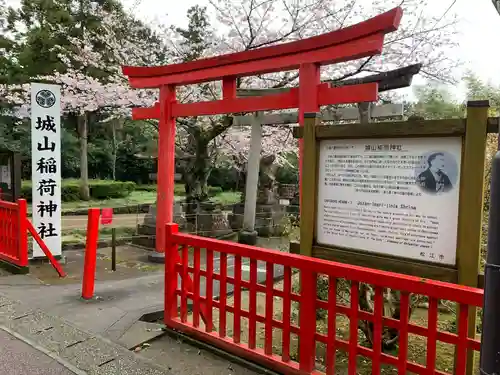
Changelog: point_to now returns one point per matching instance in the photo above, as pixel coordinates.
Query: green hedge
(99, 189)
(149, 188)
(179, 189)
(214, 190)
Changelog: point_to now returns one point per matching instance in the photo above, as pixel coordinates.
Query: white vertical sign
(46, 165)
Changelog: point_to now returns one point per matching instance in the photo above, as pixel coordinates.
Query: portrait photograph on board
(437, 174)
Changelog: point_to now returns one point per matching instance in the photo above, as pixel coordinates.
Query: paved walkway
(18, 357)
(117, 306)
(94, 335)
(82, 351)
(118, 303)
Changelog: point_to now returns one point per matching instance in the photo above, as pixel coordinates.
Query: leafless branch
(433, 27)
(357, 71)
(232, 18)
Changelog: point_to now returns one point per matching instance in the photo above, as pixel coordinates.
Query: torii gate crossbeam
(308, 55)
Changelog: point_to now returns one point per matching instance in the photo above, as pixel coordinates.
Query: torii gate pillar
(166, 169)
(308, 55)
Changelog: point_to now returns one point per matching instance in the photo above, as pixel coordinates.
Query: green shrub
(225, 178)
(103, 189)
(99, 189)
(70, 191)
(287, 175)
(214, 190)
(149, 188)
(179, 190)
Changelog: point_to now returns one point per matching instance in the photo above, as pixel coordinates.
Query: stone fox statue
(267, 174)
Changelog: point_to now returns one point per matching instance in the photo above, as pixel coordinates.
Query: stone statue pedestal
(248, 238)
(146, 232)
(269, 219)
(269, 215)
(206, 220)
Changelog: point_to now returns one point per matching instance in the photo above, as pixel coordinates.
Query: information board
(394, 196)
(46, 165)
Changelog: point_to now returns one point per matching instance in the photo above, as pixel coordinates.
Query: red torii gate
(308, 55)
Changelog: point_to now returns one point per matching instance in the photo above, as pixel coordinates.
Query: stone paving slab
(117, 306)
(126, 366)
(20, 358)
(91, 354)
(86, 352)
(139, 333)
(118, 303)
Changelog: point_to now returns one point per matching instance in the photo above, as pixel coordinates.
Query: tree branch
(219, 127)
(357, 71)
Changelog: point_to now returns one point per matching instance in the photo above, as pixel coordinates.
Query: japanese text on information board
(395, 197)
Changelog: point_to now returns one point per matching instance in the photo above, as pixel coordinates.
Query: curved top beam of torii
(356, 41)
(307, 55)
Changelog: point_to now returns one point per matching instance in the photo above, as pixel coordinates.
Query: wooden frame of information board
(473, 131)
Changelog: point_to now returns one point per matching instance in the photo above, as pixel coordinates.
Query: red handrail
(177, 296)
(45, 249)
(13, 240)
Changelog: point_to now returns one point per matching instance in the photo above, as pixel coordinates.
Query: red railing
(239, 334)
(13, 232)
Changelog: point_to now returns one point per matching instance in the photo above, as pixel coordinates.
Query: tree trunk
(84, 167)
(196, 172)
(115, 149)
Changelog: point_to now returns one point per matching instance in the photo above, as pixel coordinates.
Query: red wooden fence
(230, 335)
(13, 232)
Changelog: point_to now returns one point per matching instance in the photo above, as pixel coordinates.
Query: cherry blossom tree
(239, 25)
(422, 37)
(106, 93)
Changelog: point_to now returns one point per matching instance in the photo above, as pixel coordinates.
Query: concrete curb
(130, 209)
(48, 353)
(100, 244)
(83, 351)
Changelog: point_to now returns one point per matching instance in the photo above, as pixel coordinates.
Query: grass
(227, 197)
(135, 198)
(143, 197)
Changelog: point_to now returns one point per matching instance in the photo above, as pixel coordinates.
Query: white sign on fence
(391, 196)
(46, 165)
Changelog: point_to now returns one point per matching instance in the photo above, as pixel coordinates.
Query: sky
(478, 40)
(479, 27)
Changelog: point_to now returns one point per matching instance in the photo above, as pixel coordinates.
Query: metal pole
(490, 337)
(113, 249)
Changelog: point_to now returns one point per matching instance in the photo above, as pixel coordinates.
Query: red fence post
(90, 253)
(22, 226)
(170, 272)
(307, 317)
